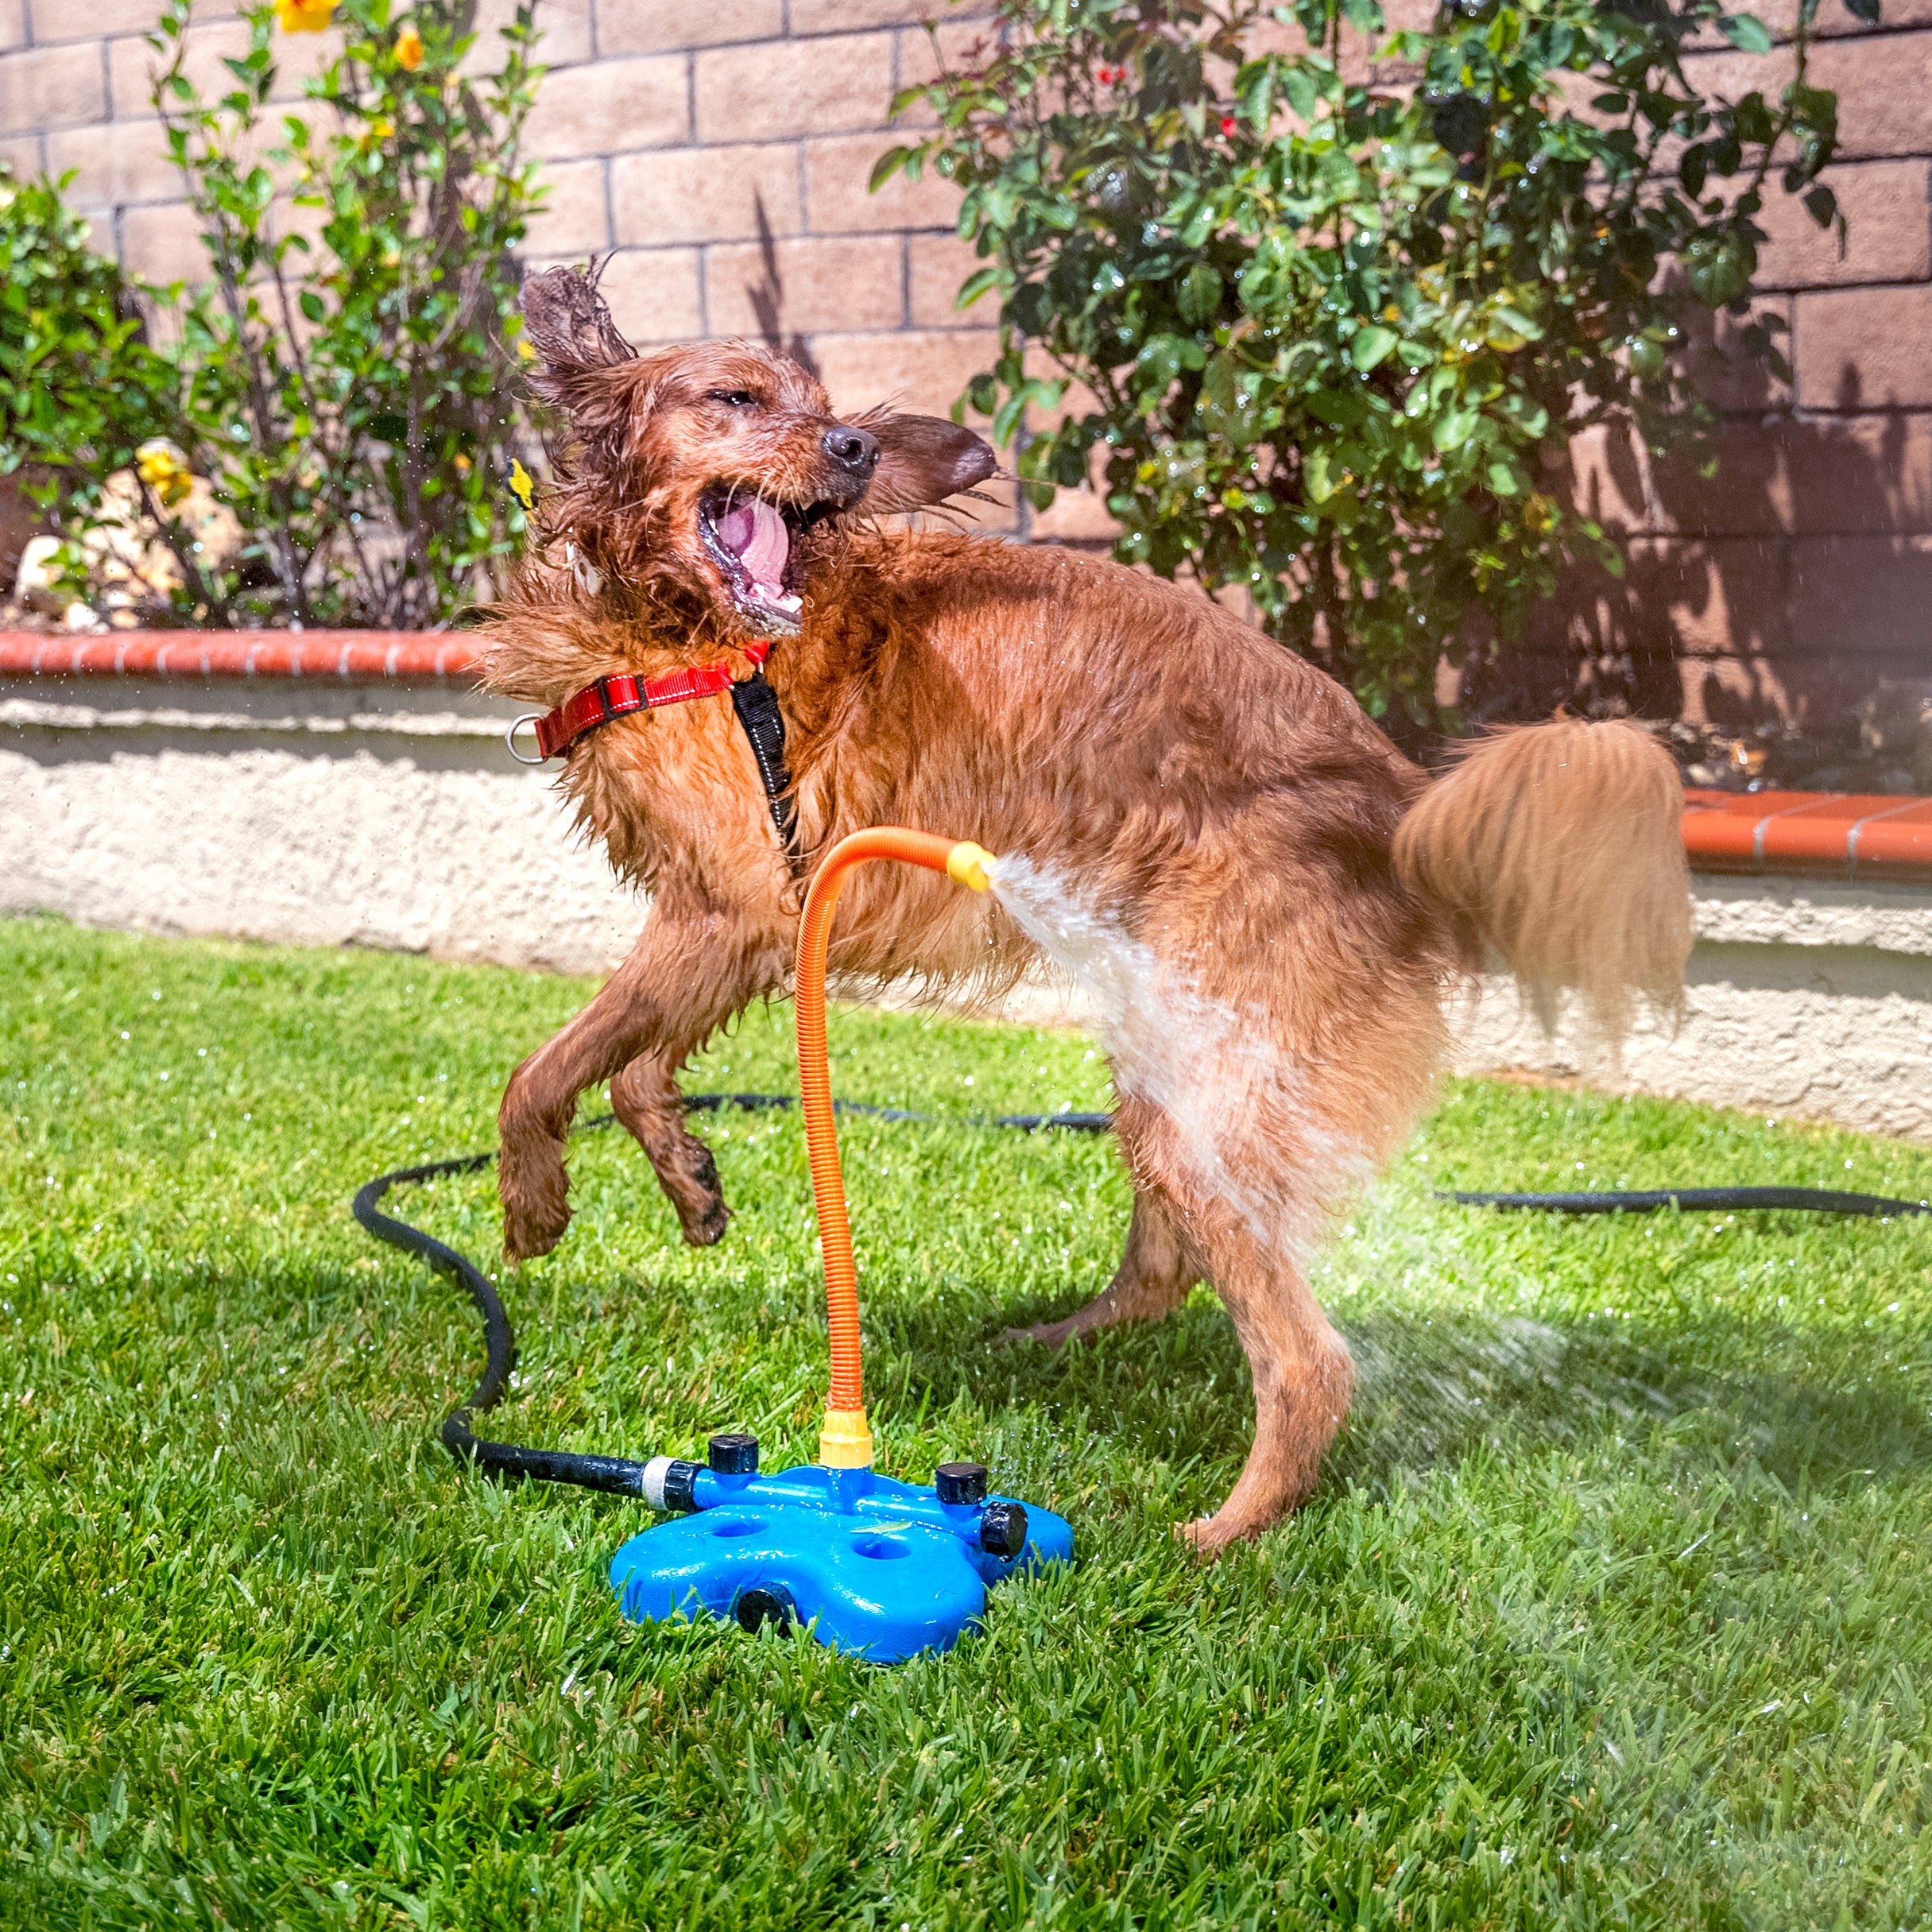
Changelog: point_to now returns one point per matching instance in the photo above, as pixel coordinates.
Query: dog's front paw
(706, 1228)
(535, 1196)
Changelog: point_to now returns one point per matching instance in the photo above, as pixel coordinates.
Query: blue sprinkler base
(880, 1568)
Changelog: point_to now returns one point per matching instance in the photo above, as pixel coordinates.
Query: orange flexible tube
(845, 1442)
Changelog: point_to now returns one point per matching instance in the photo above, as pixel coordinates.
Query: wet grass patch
(1611, 1610)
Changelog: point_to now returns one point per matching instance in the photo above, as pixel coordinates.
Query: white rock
(34, 583)
(128, 562)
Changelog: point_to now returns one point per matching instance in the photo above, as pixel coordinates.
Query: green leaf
(975, 285)
(887, 165)
(1162, 358)
(1220, 385)
(311, 304)
(1344, 408)
(1371, 346)
(1746, 33)
(1199, 299)
(1451, 430)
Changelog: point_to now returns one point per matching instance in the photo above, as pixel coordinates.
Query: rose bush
(1331, 338)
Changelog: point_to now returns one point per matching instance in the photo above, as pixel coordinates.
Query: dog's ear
(568, 324)
(922, 460)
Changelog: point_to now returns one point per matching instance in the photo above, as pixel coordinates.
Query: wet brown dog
(1228, 803)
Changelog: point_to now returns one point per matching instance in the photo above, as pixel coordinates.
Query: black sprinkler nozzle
(961, 1482)
(766, 1603)
(734, 1455)
(1002, 1529)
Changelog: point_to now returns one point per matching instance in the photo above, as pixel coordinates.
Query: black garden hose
(611, 1473)
(625, 1478)
(1811, 1200)
(499, 1343)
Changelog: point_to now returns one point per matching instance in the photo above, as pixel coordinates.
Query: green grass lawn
(1612, 1610)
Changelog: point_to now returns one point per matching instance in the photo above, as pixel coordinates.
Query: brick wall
(720, 154)
(1800, 573)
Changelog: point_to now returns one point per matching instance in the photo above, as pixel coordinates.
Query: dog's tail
(1559, 848)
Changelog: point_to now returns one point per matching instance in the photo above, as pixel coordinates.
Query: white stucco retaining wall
(319, 812)
(1805, 998)
(390, 815)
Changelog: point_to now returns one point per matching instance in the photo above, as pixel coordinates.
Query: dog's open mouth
(755, 543)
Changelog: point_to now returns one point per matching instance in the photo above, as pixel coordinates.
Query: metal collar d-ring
(531, 719)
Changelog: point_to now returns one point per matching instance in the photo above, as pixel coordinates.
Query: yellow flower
(381, 128)
(409, 49)
(164, 469)
(304, 16)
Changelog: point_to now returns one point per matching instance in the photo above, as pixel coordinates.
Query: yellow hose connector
(971, 864)
(844, 1441)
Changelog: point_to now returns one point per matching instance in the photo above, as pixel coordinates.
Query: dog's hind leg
(1156, 1273)
(692, 968)
(1303, 1379)
(1249, 1206)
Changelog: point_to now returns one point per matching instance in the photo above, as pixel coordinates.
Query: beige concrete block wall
(311, 812)
(1806, 999)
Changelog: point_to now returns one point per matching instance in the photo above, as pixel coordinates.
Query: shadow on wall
(767, 297)
(1781, 590)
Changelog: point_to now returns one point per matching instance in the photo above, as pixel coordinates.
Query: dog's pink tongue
(764, 555)
(735, 528)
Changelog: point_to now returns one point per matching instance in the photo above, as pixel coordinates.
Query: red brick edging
(1845, 835)
(239, 654)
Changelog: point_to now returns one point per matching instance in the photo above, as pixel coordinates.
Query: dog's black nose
(852, 449)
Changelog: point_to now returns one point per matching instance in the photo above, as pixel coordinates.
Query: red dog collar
(617, 697)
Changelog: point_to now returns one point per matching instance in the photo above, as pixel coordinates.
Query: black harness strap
(764, 725)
